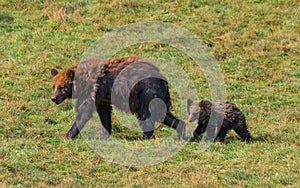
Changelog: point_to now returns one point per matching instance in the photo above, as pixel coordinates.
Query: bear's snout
(56, 100)
(191, 118)
(53, 99)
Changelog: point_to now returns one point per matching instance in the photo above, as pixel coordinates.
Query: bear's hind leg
(242, 130)
(148, 127)
(175, 123)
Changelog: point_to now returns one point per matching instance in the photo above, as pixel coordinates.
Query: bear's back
(228, 109)
(91, 69)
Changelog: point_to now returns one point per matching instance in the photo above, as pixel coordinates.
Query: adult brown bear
(132, 84)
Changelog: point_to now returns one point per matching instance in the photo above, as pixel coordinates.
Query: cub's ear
(54, 72)
(70, 74)
(205, 104)
(189, 102)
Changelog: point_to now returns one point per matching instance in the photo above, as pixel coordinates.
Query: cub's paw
(196, 136)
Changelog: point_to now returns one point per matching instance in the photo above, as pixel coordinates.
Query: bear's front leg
(199, 130)
(83, 114)
(73, 132)
(104, 112)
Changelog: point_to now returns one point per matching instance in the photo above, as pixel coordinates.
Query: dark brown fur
(96, 88)
(233, 118)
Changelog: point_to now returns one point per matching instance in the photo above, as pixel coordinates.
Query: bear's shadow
(230, 139)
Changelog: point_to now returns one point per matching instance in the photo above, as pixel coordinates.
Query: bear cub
(233, 118)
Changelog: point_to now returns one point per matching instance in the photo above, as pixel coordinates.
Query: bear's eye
(66, 89)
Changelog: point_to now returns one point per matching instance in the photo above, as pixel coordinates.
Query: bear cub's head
(198, 110)
(62, 84)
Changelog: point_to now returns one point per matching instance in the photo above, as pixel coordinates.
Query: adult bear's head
(62, 84)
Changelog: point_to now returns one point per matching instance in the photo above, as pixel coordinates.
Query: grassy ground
(255, 42)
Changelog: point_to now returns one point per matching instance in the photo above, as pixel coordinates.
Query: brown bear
(227, 113)
(131, 84)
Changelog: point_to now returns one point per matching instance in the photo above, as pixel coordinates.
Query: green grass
(255, 42)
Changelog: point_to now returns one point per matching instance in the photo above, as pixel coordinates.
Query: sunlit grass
(256, 44)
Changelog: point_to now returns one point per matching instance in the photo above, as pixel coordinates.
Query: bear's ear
(70, 74)
(206, 104)
(189, 102)
(54, 72)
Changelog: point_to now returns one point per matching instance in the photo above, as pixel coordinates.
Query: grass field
(256, 43)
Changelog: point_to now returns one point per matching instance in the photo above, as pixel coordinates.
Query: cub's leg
(213, 126)
(83, 114)
(241, 129)
(199, 130)
(221, 135)
(104, 112)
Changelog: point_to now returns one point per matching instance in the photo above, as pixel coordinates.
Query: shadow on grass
(129, 137)
(233, 139)
(50, 121)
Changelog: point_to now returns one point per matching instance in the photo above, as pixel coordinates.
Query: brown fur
(95, 86)
(62, 84)
(233, 118)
